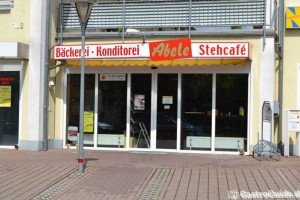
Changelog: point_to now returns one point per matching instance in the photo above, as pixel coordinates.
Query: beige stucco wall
(290, 68)
(20, 13)
(54, 124)
(255, 48)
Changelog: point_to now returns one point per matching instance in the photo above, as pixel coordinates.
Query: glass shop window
(112, 105)
(231, 112)
(73, 109)
(196, 110)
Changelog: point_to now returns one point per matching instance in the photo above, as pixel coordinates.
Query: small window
(6, 5)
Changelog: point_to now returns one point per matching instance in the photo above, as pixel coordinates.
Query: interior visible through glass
(140, 117)
(166, 132)
(9, 107)
(231, 112)
(196, 112)
(73, 109)
(112, 104)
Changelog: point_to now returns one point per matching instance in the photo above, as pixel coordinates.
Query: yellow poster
(88, 121)
(5, 96)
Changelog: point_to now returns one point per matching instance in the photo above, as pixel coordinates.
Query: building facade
(291, 84)
(194, 105)
(22, 53)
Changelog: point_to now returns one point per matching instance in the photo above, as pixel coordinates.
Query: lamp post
(84, 8)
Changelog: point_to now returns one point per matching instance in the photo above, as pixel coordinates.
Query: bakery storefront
(161, 96)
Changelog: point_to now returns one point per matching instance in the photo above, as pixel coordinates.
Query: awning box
(14, 50)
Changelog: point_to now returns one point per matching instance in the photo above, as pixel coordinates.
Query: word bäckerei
(164, 50)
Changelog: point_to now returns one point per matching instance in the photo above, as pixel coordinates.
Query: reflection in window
(166, 133)
(112, 97)
(73, 109)
(140, 110)
(196, 112)
(9, 107)
(231, 112)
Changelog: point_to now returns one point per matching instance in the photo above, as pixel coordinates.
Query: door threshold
(3, 147)
(149, 152)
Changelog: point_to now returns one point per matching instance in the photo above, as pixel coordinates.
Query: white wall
(36, 76)
(267, 83)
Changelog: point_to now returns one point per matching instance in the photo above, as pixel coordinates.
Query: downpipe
(281, 55)
(45, 111)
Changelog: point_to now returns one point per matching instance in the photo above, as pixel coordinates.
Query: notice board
(88, 121)
(5, 96)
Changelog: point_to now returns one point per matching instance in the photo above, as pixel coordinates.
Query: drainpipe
(281, 38)
(61, 21)
(45, 127)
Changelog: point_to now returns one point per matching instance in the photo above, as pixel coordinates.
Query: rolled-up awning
(150, 63)
(14, 50)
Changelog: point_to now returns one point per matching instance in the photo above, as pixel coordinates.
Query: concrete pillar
(267, 84)
(36, 76)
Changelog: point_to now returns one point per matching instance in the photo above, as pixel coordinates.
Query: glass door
(9, 107)
(112, 105)
(166, 123)
(140, 111)
(196, 112)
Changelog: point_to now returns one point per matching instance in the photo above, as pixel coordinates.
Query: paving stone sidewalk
(137, 175)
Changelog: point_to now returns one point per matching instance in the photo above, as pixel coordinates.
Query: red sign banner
(163, 50)
(170, 49)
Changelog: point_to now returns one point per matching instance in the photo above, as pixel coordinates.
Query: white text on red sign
(105, 51)
(141, 50)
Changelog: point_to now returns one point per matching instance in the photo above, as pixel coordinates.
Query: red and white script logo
(170, 50)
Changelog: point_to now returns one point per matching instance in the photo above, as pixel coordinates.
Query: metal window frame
(178, 70)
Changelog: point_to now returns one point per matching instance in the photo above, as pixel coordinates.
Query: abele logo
(171, 49)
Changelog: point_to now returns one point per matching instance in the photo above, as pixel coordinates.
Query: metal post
(281, 37)
(190, 18)
(265, 26)
(83, 25)
(262, 132)
(61, 21)
(275, 15)
(81, 111)
(123, 30)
